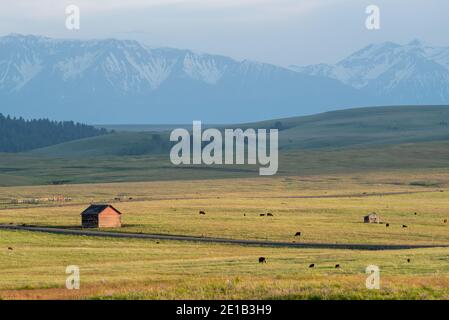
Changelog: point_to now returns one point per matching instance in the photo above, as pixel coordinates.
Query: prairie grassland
(140, 269)
(322, 208)
(319, 155)
(325, 208)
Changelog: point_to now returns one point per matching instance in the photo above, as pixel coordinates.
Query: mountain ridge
(92, 81)
(393, 71)
(122, 81)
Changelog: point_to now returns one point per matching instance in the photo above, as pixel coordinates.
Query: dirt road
(95, 233)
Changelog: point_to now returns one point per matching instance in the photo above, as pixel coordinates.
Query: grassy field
(322, 208)
(346, 141)
(325, 208)
(139, 269)
(334, 168)
(31, 169)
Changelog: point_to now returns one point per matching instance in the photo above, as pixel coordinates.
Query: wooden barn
(101, 216)
(372, 218)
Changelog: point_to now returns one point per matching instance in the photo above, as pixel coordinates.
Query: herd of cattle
(298, 234)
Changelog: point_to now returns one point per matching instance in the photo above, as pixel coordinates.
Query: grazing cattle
(262, 214)
(269, 214)
(404, 226)
(298, 234)
(408, 260)
(262, 260)
(202, 212)
(387, 225)
(415, 213)
(445, 221)
(9, 248)
(312, 265)
(244, 214)
(337, 266)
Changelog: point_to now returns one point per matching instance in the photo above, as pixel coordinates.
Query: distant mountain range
(414, 73)
(120, 81)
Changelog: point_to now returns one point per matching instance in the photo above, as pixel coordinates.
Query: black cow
(312, 265)
(337, 266)
(9, 248)
(269, 214)
(404, 226)
(298, 234)
(262, 260)
(202, 212)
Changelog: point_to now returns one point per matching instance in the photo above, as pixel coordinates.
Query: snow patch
(27, 70)
(202, 69)
(74, 67)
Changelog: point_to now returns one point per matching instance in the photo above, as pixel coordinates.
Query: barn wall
(109, 219)
(89, 221)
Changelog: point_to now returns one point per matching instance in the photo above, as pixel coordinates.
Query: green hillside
(362, 127)
(30, 169)
(350, 128)
(118, 144)
(356, 140)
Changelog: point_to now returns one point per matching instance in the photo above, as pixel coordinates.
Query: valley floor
(324, 208)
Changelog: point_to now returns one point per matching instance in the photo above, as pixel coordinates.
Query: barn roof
(98, 208)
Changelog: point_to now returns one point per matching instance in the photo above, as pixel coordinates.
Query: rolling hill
(352, 128)
(380, 139)
(118, 144)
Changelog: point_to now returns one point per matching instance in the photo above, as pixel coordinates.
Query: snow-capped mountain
(413, 73)
(117, 81)
(121, 81)
(125, 65)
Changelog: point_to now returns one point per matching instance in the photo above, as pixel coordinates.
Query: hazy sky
(283, 32)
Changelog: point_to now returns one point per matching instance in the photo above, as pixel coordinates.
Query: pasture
(324, 208)
(140, 269)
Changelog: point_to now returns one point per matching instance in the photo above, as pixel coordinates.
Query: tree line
(18, 134)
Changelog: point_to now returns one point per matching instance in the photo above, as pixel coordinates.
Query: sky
(282, 32)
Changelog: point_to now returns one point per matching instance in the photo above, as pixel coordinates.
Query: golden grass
(323, 208)
(119, 268)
